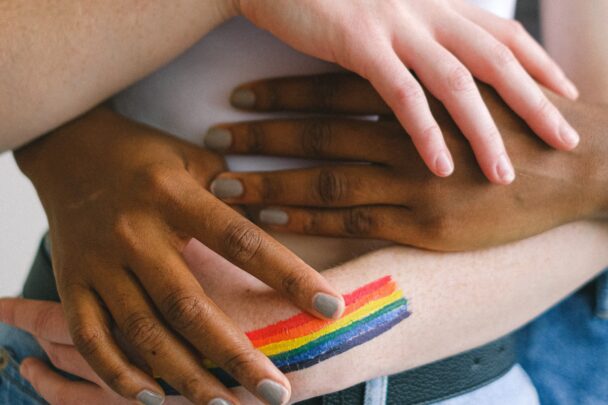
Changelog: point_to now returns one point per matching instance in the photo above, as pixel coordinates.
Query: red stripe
(302, 318)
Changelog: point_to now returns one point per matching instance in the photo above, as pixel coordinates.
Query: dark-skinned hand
(371, 183)
(122, 200)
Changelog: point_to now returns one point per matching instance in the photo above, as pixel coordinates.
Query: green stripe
(334, 334)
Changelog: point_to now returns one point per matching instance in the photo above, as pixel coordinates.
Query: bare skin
(122, 146)
(118, 224)
(392, 197)
(459, 301)
(60, 58)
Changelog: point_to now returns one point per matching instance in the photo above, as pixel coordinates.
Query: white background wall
(22, 223)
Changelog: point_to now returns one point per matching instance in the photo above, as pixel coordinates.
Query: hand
(445, 42)
(46, 322)
(391, 196)
(122, 201)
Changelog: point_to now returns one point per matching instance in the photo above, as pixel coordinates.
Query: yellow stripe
(286, 345)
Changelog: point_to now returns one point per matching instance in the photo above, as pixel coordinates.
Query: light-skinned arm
(59, 58)
(458, 300)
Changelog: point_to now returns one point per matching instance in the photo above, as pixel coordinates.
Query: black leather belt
(443, 379)
(437, 381)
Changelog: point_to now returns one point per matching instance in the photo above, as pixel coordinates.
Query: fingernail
(147, 397)
(272, 392)
(273, 216)
(504, 169)
(571, 90)
(569, 136)
(243, 98)
(328, 305)
(218, 139)
(219, 401)
(227, 188)
(444, 165)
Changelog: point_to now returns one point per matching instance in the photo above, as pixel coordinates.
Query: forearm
(59, 58)
(458, 300)
(575, 35)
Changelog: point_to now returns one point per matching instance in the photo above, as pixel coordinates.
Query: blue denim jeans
(15, 345)
(565, 351)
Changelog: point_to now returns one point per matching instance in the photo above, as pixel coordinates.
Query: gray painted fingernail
(147, 397)
(328, 305)
(219, 401)
(272, 392)
(243, 98)
(273, 216)
(218, 139)
(227, 188)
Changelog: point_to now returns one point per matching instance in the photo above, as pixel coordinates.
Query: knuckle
(87, 338)
(243, 242)
(143, 331)
(159, 179)
(255, 138)
(514, 29)
(316, 138)
(293, 282)
(43, 320)
(195, 388)
(428, 136)
(119, 380)
(272, 188)
(311, 223)
(331, 187)
(460, 80)
(358, 222)
(544, 110)
(184, 310)
(124, 230)
(326, 90)
(441, 229)
(502, 55)
(409, 93)
(241, 360)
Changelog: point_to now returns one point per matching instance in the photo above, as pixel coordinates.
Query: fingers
(67, 358)
(91, 334)
(336, 92)
(451, 83)
(163, 352)
(535, 60)
(328, 186)
(314, 138)
(43, 319)
(58, 390)
(374, 222)
(198, 213)
(191, 313)
(406, 98)
(493, 63)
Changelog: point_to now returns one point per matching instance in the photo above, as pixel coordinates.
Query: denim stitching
(9, 363)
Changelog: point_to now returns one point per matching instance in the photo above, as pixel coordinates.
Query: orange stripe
(316, 324)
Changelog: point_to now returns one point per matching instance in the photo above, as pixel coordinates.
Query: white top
(190, 94)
